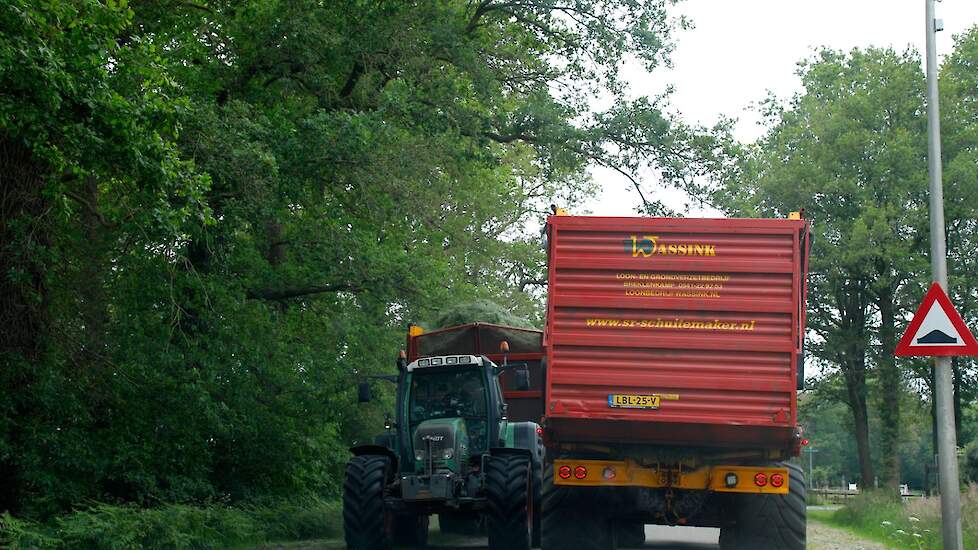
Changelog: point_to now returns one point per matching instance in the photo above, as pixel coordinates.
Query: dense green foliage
(218, 216)
(176, 526)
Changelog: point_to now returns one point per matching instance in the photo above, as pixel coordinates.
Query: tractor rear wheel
(572, 520)
(769, 522)
(510, 502)
(365, 521)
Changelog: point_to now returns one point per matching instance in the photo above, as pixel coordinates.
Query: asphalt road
(820, 537)
(661, 538)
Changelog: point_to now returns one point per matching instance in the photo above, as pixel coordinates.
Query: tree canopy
(850, 150)
(218, 215)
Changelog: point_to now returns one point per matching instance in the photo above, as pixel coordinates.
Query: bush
(176, 526)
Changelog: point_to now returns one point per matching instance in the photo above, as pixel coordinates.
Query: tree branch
(91, 208)
(295, 292)
(351, 81)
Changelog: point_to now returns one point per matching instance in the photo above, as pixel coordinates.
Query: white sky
(741, 49)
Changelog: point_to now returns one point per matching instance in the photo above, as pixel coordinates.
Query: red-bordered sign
(936, 329)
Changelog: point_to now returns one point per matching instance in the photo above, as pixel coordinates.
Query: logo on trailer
(649, 246)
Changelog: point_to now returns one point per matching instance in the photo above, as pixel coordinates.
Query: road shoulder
(822, 536)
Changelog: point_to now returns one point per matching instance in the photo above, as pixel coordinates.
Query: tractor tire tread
(507, 495)
(363, 503)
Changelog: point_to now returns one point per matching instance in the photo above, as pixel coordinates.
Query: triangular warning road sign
(936, 329)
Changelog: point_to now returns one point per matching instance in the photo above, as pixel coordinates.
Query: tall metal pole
(811, 454)
(944, 384)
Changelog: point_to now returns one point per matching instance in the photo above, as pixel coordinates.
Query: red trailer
(674, 351)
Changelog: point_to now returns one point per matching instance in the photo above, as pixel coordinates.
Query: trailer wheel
(365, 521)
(770, 522)
(571, 520)
(510, 502)
(410, 530)
(630, 534)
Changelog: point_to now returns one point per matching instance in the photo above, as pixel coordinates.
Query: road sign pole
(944, 385)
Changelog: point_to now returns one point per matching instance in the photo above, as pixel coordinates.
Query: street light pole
(811, 453)
(944, 384)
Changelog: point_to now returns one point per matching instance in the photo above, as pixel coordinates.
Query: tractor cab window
(451, 394)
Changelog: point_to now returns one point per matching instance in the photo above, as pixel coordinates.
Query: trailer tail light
(608, 473)
(564, 472)
(777, 480)
(760, 479)
(580, 472)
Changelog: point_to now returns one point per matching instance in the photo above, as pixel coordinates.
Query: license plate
(627, 401)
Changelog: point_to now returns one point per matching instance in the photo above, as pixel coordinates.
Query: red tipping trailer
(674, 351)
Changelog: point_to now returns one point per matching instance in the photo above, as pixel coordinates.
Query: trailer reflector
(760, 479)
(580, 472)
(731, 480)
(564, 472)
(777, 480)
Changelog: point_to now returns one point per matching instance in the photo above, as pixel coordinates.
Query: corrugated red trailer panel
(706, 313)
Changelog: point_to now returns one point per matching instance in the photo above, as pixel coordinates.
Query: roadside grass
(916, 524)
(176, 526)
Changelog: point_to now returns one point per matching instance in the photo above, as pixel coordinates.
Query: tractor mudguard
(524, 435)
(363, 450)
(499, 451)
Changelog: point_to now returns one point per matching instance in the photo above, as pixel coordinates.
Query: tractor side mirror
(504, 349)
(522, 381)
(363, 392)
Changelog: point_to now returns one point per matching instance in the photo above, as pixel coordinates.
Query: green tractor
(451, 451)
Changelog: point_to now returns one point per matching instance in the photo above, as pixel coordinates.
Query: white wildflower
(886, 523)
(913, 519)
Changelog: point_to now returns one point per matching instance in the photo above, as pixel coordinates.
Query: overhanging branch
(295, 292)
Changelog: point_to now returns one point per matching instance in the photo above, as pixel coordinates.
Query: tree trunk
(856, 388)
(90, 285)
(24, 311)
(890, 392)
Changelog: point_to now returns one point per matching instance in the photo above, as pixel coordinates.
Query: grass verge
(915, 524)
(176, 526)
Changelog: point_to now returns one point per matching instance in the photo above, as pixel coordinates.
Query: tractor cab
(454, 411)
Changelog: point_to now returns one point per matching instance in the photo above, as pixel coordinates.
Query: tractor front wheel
(510, 502)
(365, 521)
